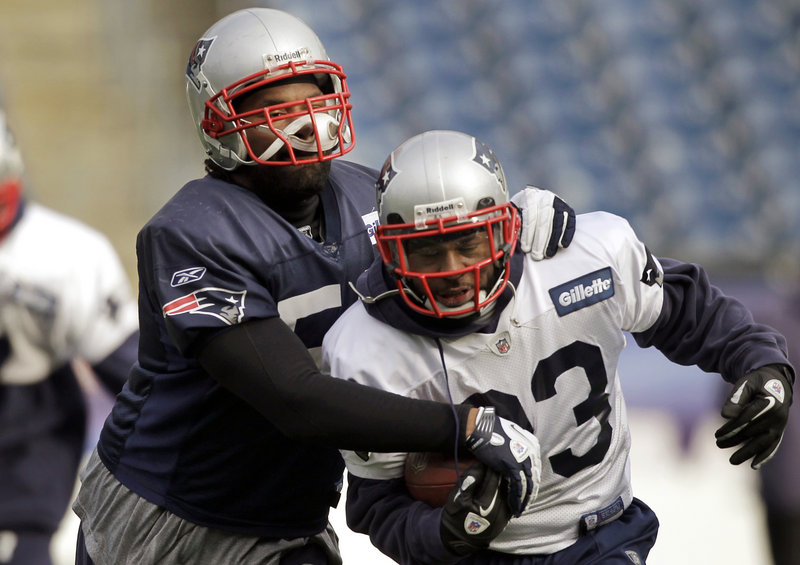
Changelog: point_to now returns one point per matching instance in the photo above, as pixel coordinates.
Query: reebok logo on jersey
(583, 291)
(223, 304)
(652, 273)
(187, 275)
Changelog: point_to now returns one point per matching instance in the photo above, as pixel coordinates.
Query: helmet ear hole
(486, 202)
(394, 218)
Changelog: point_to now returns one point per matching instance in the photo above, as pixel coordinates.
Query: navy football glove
(476, 511)
(548, 223)
(510, 450)
(757, 411)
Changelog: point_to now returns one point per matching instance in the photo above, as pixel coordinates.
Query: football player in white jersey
(63, 295)
(451, 313)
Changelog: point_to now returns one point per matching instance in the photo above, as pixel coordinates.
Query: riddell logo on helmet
(302, 54)
(455, 207)
(431, 210)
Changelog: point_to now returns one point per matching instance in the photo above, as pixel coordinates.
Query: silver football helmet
(443, 184)
(257, 47)
(11, 171)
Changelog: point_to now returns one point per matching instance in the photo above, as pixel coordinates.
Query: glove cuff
(484, 426)
(777, 371)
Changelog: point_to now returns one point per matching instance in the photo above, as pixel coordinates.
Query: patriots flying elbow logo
(486, 158)
(223, 304)
(196, 59)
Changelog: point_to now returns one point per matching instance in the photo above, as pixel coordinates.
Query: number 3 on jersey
(590, 359)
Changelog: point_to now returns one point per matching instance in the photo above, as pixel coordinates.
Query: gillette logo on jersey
(583, 291)
(223, 304)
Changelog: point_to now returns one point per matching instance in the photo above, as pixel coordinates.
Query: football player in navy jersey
(451, 312)
(64, 299)
(222, 446)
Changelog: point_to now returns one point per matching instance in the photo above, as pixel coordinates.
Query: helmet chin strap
(326, 128)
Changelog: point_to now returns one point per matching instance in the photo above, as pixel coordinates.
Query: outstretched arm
(266, 364)
(699, 325)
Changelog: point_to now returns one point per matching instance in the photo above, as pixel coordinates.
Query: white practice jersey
(555, 353)
(63, 294)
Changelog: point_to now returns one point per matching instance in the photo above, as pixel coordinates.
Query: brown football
(431, 476)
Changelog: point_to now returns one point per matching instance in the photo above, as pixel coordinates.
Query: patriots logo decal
(196, 60)
(486, 158)
(223, 304)
(387, 174)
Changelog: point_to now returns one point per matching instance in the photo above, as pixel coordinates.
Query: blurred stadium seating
(682, 115)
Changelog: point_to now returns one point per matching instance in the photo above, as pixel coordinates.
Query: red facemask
(329, 114)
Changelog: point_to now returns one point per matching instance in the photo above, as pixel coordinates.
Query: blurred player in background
(221, 446)
(450, 312)
(63, 295)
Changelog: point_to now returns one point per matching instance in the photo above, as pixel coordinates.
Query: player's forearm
(265, 364)
(699, 325)
(405, 529)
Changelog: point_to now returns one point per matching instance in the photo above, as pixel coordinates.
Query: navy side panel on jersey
(223, 258)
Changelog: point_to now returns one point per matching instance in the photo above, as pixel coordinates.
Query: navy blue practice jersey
(215, 255)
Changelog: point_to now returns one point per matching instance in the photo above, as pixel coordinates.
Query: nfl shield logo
(503, 346)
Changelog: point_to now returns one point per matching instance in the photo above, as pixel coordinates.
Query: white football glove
(548, 223)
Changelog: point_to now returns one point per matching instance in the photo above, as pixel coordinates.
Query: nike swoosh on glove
(548, 223)
(757, 411)
(510, 450)
(476, 511)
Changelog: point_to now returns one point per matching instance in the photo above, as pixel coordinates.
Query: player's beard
(287, 188)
